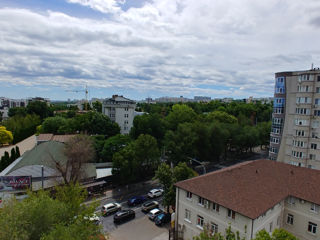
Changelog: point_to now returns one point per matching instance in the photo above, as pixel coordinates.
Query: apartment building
(295, 133)
(120, 110)
(249, 197)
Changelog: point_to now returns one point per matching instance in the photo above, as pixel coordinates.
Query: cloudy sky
(153, 48)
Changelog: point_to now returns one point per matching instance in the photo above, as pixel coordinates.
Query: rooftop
(253, 187)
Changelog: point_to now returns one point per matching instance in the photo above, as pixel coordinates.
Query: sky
(154, 48)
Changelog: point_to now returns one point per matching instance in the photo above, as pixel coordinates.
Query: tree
(278, 234)
(97, 106)
(137, 160)
(5, 136)
(112, 145)
(5, 161)
(52, 124)
(39, 108)
(222, 117)
(180, 114)
(169, 176)
(152, 124)
(42, 217)
(79, 151)
(22, 127)
(17, 111)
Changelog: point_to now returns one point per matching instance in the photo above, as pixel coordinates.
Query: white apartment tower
(295, 132)
(120, 110)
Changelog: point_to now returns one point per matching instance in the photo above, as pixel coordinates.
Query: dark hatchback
(146, 207)
(162, 218)
(124, 215)
(136, 200)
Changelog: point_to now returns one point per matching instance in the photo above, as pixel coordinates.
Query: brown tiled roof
(44, 137)
(62, 138)
(251, 188)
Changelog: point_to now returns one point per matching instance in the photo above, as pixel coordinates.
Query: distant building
(39, 99)
(202, 99)
(265, 100)
(249, 197)
(7, 103)
(295, 131)
(120, 110)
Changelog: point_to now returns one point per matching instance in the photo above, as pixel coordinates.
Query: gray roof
(45, 155)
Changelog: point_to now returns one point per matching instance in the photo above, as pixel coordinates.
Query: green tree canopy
(112, 145)
(5, 135)
(222, 117)
(137, 160)
(97, 106)
(180, 114)
(39, 108)
(42, 217)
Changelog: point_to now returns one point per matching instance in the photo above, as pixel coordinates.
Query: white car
(154, 213)
(110, 208)
(155, 192)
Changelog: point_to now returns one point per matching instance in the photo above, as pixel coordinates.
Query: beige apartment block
(295, 133)
(250, 197)
(120, 110)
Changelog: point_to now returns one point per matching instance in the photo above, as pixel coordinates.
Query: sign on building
(14, 183)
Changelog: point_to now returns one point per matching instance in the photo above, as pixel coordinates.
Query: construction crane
(86, 93)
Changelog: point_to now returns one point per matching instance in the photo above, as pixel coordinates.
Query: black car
(162, 219)
(136, 200)
(123, 216)
(146, 207)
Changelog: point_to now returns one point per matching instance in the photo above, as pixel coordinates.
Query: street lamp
(201, 164)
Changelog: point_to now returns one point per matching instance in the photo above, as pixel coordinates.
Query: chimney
(114, 96)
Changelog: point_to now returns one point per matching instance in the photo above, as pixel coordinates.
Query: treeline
(7, 159)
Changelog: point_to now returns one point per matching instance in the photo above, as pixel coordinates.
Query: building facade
(295, 132)
(120, 110)
(250, 197)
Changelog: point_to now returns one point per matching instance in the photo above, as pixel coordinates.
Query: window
(315, 124)
(187, 215)
(314, 135)
(200, 221)
(126, 109)
(300, 133)
(318, 89)
(201, 201)
(312, 157)
(215, 207)
(316, 113)
(290, 219)
(313, 146)
(189, 195)
(291, 200)
(317, 101)
(314, 208)
(126, 115)
(318, 78)
(312, 227)
(214, 228)
(270, 227)
(231, 214)
(273, 150)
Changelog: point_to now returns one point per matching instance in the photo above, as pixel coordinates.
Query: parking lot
(138, 228)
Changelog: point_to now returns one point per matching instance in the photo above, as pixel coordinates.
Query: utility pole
(42, 176)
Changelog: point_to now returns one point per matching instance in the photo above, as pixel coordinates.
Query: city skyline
(153, 48)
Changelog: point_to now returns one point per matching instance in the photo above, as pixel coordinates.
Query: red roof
(251, 188)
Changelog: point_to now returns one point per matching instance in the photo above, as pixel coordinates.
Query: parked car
(146, 207)
(110, 208)
(94, 218)
(136, 200)
(124, 215)
(153, 213)
(162, 218)
(155, 192)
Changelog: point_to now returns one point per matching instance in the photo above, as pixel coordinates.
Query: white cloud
(173, 47)
(105, 6)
